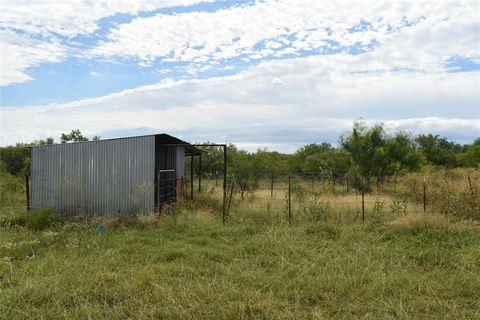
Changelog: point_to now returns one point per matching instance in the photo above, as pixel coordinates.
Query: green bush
(38, 219)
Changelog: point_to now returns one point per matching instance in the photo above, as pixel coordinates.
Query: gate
(165, 193)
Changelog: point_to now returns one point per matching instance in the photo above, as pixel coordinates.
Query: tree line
(369, 152)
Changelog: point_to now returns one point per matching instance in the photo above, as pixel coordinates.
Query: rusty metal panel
(96, 178)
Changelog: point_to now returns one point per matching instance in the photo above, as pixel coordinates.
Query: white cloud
(18, 53)
(318, 99)
(283, 103)
(409, 34)
(420, 34)
(95, 74)
(33, 32)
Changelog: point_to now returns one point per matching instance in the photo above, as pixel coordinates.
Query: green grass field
(193, 267)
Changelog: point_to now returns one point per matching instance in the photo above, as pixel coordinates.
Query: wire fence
(320, 196)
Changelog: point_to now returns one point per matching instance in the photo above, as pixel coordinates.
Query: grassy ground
(193, 267)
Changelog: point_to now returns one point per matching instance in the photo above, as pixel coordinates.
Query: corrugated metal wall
(109, 177)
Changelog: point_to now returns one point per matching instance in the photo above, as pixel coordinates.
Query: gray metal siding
(111, 177)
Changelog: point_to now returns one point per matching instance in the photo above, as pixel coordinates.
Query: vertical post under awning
(224, 181)
(200, 173)
(191, 176)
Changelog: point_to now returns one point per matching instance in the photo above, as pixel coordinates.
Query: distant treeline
(369, 152)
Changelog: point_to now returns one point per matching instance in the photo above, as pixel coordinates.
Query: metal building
(114, 177)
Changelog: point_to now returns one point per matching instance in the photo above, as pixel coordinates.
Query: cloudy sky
(276, 74)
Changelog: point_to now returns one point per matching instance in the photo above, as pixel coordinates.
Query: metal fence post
(424, 195)
(230, 196)
(200, 173)
(191, 177)
(363, 203)
(290, 197)
(271, 186)
(27, 190)
(347, 184)
(224, 183)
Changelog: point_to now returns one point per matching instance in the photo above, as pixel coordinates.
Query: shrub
(35, 220)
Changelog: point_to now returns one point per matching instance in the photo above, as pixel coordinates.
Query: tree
(14, 157)
(471, 156)
(322, 158)
(438, 151)
(271, 161)
(73, 136)
(376, 154)
(367, 146)
(245, 169)
(402, 153)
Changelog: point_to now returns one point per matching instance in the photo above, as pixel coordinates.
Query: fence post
(333, 182)
(395, 183)
(227, 202)
(27, 190)
(191, 177)
(473, 203)
(424, 195)
(230, 196)
(224, 182)
(271, 187)
(347, 183)
(200, 173)
(290, 197)
(363, 203)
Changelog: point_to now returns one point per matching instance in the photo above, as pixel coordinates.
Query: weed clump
(38, 219)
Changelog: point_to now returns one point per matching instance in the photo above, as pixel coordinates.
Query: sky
(260, 74)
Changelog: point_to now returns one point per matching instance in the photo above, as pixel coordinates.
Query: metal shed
(114, 177)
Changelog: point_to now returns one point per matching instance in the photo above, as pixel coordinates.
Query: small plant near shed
(316, 209)
(378, 206)
(399, 206)
(35, 220)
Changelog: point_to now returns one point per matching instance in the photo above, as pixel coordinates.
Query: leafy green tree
(246, 170)
(403, 154)
(376, 154)
(272, 161)
(438, 151)
(322, 158)
(14, 157)
(73, 136)
(471, 156)
(367, 147)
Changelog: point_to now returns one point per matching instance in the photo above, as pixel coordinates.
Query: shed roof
(161, 138)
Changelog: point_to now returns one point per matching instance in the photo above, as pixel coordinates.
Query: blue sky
(293, 71)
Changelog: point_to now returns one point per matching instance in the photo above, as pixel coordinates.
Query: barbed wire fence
(322, 196)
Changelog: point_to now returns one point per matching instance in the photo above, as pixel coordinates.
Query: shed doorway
(165, 189)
